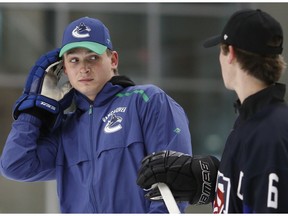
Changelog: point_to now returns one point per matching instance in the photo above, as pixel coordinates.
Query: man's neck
(248, 85)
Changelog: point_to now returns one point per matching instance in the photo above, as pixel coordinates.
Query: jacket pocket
(116, 146)
(72, 153)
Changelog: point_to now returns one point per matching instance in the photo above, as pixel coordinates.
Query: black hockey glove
(189, 178)
(43, 96)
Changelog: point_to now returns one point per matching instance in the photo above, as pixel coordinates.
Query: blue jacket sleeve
(28, 156)
(165, 125)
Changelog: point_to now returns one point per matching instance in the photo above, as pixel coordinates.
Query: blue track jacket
(96, 153)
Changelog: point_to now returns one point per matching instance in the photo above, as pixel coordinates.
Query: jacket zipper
(90, 109)
(94, 205)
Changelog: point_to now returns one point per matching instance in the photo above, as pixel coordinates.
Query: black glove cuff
(205, 170)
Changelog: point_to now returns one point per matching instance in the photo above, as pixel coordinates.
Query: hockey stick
(168, 198)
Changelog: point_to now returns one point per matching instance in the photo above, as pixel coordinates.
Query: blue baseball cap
(88, 33)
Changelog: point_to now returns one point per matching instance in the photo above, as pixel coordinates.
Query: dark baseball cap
(250, 30)
(88, 33)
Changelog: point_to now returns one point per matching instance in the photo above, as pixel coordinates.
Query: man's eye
(73, 60)
(93, 57)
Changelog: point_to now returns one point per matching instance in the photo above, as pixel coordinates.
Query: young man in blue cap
(95, 150)
(253, 171)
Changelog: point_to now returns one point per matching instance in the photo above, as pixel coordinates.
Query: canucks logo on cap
(81, 31)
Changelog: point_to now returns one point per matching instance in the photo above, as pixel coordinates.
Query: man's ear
(114, 60)
(231, 54)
